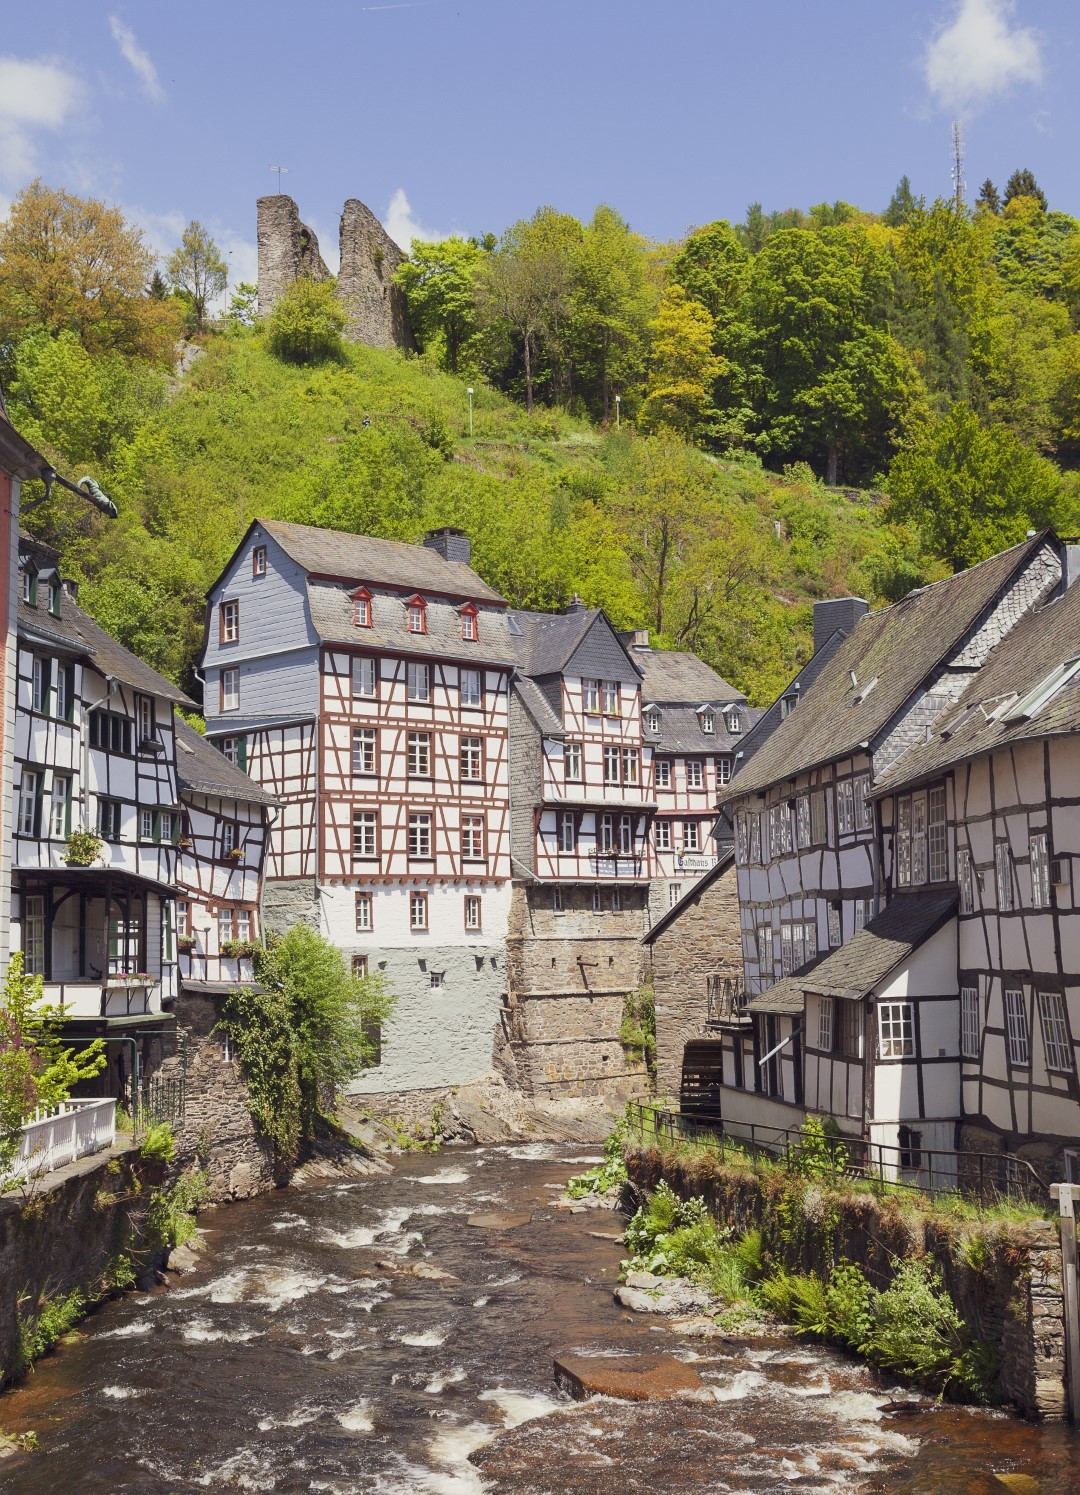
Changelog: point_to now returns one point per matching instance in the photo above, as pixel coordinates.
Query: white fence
(74, 1130)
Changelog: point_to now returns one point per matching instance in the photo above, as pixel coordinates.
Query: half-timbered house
(96, 815)
(804, 1036)
(363, 683)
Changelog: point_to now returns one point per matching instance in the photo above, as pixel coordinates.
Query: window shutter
(69, 671)
(241, 754)
(157, 828)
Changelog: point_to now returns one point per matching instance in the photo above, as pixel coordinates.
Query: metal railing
(985, 1177)
(75, 1129)
(159, 1100)
(615, 864)
(727, 1001)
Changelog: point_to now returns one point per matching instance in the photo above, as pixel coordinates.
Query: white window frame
(708, 723)
(473, 913)
(969, 1022)
(663, 773)
(590, 697)
(630, 766)
(965, 878)
(572, 762)
(419, 836)
(472, 838)
(836, 926)
(695, 773)
(845, 807)
(919, 867)
(902, 840)
(1003, 877)
(612, 698)
(1017, 1043)
(418, 681)
(471, 759)
(802, 822)
(418, 754)
(825, 1024)
(60, 806)
(29, 785)
(365, 677)
(612, 765)
(471, 688)
(723, 770)
(674, 893)
(365, 834)
(567, 831)
(605, 833)
(364, 750)
(1054, 1023)
(864, 809)
(1039, 854)
(230, 688)
(937, 834)
(365, 912)
(691, 832)
(33, 934)
(896, 1030)
(663, 835)
(40, 672)
(418, 911)
(765, 956)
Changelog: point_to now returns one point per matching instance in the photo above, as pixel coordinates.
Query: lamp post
(618, 412)
(470, 392)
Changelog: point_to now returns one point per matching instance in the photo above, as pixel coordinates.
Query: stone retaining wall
(1014, 1303)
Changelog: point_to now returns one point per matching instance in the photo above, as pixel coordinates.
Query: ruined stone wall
(287, 249)
(702, 940)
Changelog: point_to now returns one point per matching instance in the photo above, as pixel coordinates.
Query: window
(765, 948)
(567, 832)
(472, 838)
(1040, 871)
(723, 770)
(818, 819)
(183, 917)
(34, 935)
(903, 843)
(616, 900)
(626, 835)
(230, 689)
(108, 821)
(363, 750)
(64, 692)
(1016, 1033)
(674, 892)
(472, 912)
(471, 755)
(845, 807)
(556, 901)
(243, 925)
(1055, 1032)
(572, 762)
(910, 1148)
(420, 835)
(850, 1014)
(471, 688)
(1003, 871)
(365, 834)
(969, 1022)
(360, 970)
(229, 622)
(825, 1024)
(753, 824)
(788, 704)
(361, 613)
(663, 835)
(144, 718)
(225, 926)
(966, 880)
(230, 837)
(734, 722)
(779, 830)
(918, 839)
(663, 773)
(60, 812)
(597, 905)
(416, 615)
(691, 836)
(258, 560)
(418, 911)
(695, 773)
(798, 944)
(29, 586)
(590, 697)
(864, 810)
(612, 761)
(607, 834)
(652, 721)
(864, 912)
(417, 682)
(419, 755)
(469, 631)
(54, 597)
(802, 821)
(146, 825)
(29, 803)
(611, 698)
(364, 678)
(836, 935)
(630, 765)
(708, 723)
(896, 1030)
(165, 827)
(436, 980)
(39, 689)
(363, 913)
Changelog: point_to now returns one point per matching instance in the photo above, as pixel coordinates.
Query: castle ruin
(374, 306)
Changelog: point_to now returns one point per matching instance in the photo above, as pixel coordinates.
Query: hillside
(716, 556)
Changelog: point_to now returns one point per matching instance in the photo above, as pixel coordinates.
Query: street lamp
(470, 392)
(618, 411)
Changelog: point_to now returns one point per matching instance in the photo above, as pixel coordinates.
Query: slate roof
(201, 769)
(899, 647)
(671, 675)
(787, 995)
(544, 642)
(332, 617)
(16, 454)
(81, 634)
(681, 730)
(1041, 641)
(768, 720)
(361, 558)
(538, 706)
(875, 951)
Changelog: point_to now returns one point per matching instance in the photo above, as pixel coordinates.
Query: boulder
(496, 1221)
(632, 1378)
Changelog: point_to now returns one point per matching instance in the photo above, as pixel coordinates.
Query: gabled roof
(538, 706)
(787, 995)
(979, 723)
(362, 558)
(201, 769)
(681, 678)
(892, 653)
(547, 643)
(83, 635)
(704, 882)
(871, 955)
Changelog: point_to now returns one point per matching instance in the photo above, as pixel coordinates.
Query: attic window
(469, 630)
(258, 560)
(29, 586)
(652, 718)
(55, 591)
(708, 723)
(416, 615)
(867, 688)
(362, 608)
(515, 626)
(1045, 691)
(734, 721)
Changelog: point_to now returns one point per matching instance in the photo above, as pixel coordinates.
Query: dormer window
(468, 624)
(361, 609)
(708, 723)
(54, 596)
(734, 722)
(258, 560)
(416, 615)
(29, 586)
(652, 718)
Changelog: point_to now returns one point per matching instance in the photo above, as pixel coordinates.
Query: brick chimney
(836, 614)
(452, 544)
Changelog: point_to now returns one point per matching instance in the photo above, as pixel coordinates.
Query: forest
(700, 436)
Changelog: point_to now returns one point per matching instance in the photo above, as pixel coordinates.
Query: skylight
(1045, 691)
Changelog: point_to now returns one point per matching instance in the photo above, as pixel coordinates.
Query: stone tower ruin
(374, 306)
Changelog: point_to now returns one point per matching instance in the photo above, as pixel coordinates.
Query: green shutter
(69, 670)
(157, 827)
(241, 753)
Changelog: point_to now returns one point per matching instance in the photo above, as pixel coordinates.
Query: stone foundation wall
(1014, 1303)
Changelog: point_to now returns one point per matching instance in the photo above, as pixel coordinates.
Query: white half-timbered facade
(878, 1050)
(95, 752)
(364, 685)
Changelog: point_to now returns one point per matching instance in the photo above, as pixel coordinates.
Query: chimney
(634, 638)
(575, 605)
(1072, 561)
(836, 614)
(452, 544)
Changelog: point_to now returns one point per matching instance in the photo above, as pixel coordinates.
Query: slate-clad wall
(525, 781)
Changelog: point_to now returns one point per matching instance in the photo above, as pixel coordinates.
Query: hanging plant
(83, 848)
(240, 949)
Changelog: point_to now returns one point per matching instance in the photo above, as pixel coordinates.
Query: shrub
(605, 1176)
(159, 1144)
(917, 1331)
(637, 1032)
(306, 323)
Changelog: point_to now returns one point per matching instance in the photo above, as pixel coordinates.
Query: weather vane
(281, 171)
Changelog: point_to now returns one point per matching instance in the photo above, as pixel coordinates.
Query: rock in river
(632, 1378)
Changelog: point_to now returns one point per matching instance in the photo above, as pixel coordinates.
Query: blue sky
(462, 115)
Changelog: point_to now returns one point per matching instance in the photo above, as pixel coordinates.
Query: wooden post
(1067, 1196)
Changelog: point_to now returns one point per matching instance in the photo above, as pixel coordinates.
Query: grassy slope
(248, 436)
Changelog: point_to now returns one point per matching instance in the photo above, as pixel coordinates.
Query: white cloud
(980, 53)
(402, 224)
(33, 96)
(140, 61)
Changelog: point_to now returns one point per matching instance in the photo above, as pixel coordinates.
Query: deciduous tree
(197, 269)
(439, 280)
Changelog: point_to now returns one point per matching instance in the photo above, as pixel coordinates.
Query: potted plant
(185, 943)
(83, 848)
(185, 843)
(236, 855)
(240, 949)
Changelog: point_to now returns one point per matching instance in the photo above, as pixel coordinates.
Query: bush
(605, 1176)
(306, 323)
(917, 1331)
(159, 1144)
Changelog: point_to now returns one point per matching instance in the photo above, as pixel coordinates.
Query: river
(291, 1361)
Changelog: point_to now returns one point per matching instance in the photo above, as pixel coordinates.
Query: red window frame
(362, 608)
(416, 605)
(258, 560)
(470, 628)
(224, 636)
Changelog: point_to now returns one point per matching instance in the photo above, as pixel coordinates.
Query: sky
(460, 116)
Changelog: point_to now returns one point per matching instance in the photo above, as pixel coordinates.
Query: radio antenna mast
(281, 171)
(958, 162)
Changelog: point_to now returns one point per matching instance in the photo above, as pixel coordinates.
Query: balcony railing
(615, 864)
(727, 1001)
(75, 1129)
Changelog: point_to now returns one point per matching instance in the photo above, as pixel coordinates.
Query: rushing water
(291, 1361)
